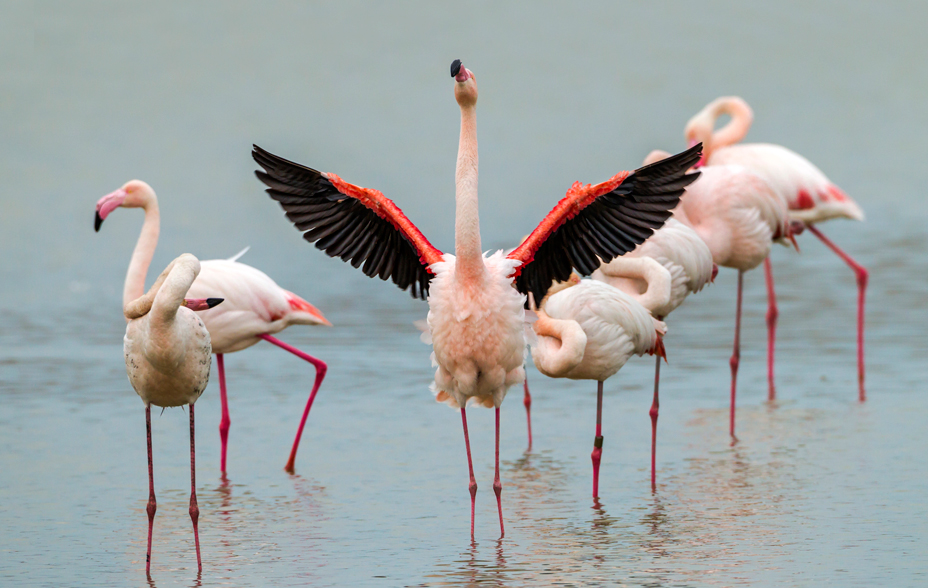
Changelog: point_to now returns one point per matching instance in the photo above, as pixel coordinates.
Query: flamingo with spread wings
(475, 315)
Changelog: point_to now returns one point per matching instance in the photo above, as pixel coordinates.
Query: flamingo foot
(653, 413)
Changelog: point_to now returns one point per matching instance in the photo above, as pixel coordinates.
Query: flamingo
(167, 351)
(256, 307)
(588, 330)
(687, 262)
(812, 198)
(475, 315)
(739, 216)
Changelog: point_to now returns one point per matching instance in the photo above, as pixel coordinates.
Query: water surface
(819, 489)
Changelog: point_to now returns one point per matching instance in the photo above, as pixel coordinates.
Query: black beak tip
(455, 68)
(97, 222)
(211, 302)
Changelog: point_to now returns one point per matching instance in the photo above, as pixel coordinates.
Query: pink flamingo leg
(736, 355)
(598, 440)
(654, 410)
(863, 276)
(527, 401)
(321, 368)
(194, 510)
(497, 485)
(470, 467)
(772, 314)
(152, 504)
(225, 422)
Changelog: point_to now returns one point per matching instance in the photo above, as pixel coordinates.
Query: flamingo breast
(477, 333)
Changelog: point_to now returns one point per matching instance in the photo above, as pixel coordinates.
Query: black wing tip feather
(683, 160)
(334, 224)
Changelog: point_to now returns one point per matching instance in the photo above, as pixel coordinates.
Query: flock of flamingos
(648, 238)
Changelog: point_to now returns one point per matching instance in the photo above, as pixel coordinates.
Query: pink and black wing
(595, 224)
(358, 225)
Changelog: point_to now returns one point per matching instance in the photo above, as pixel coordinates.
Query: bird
(739, 217)
(811, 197)
(256, 307)
(588, 330)
(475, 315)
(688, 264)
(167, 351)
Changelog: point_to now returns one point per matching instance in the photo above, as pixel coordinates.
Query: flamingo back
(808, 192)
(736, 213)
(616, 328)
(254, 304)
(681, 251)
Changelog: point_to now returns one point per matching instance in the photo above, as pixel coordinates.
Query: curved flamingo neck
(469, 259)
(558, 359)
(144, 251)
(654, 275)
(737, 128)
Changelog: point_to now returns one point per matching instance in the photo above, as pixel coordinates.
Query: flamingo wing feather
(594, 224)
(356, 224)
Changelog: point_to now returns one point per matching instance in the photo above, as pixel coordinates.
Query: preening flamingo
(167, 350)
(739, 216)
(255, 306)
(475, 315)
(687, 261)
(810, 195)
(588, 330)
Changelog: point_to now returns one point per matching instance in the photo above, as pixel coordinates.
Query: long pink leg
(863, 276)
(598, 440)
(736, 355)
(225, 421)
(772, 314)
(152, 504)
(497, 485)
(194, 510)
(527, 401)
(321, 368)
(470, 467)
(655, 406)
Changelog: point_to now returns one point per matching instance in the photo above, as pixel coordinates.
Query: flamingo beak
(715, 271)
(201, 303)
(106, 205)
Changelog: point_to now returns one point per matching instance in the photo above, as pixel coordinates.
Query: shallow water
(818, 489)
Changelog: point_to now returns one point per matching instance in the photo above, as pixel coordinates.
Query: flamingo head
(201, 303)
(133, 194)
(465, 91)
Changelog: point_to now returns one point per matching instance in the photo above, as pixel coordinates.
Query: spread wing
(595, 224)
(359, 225)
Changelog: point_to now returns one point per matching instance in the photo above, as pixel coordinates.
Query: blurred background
(94, 94)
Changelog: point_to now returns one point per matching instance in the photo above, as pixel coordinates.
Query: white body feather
(615, 326)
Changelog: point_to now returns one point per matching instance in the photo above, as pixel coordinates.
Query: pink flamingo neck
(737, 128)
(469, 258)
(144, 252)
